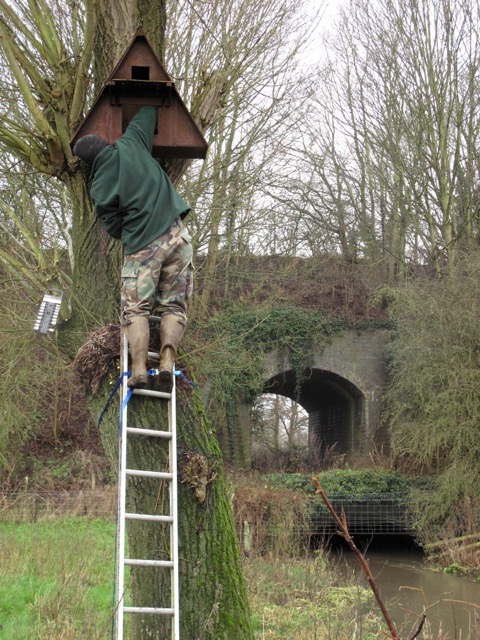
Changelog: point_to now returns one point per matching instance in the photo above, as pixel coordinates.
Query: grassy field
(56, 579)
(56, 583)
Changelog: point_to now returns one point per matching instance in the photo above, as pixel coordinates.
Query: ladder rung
(152, 393)
(144, 516)
(154, 610)
(149, 474)
(154, 354)
(155, 318)
(167, 564)
(150, 432)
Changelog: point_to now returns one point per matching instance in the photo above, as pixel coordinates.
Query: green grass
(299, 599)
(56, 583)
(56, 579)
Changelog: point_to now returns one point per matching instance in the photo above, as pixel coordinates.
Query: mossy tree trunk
(96, 273)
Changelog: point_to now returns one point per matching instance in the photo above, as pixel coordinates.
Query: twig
(415, 632)
(343, 531)
(469, 604)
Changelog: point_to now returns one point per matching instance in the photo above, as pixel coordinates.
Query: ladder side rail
(175, 597)
(122, 496)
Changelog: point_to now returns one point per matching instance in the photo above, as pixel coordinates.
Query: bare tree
(257, 50)
(280, 427)
(390, 167)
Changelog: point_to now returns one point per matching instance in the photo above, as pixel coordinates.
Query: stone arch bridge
(342, 396)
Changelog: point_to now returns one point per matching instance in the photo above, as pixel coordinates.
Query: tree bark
(96, 270)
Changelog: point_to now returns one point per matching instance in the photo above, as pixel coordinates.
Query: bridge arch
(342, 394)
(335, 407)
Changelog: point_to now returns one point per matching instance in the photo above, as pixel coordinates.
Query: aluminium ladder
(170, 518)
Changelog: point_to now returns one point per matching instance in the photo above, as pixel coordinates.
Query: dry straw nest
(95, 356)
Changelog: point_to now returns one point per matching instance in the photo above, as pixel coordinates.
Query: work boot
(171, 332)
(138, 334)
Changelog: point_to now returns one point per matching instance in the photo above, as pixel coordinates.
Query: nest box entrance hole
(140, 73)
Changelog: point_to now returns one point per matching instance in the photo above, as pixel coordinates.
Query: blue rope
(180, 375)
(150, 372)
(112, 395)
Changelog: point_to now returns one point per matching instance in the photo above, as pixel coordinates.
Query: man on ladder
(138, 205)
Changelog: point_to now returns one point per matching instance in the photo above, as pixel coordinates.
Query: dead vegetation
(343, 289)
(95, 356)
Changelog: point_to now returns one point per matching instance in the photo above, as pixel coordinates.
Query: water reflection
(408, 586)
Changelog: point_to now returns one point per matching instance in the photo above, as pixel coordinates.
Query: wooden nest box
(140, 79)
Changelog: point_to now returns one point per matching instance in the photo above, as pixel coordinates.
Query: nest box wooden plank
(140, 79)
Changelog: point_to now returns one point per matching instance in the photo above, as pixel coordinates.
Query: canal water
(408, 585)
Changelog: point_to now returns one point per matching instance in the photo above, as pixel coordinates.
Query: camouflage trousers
(158, 279)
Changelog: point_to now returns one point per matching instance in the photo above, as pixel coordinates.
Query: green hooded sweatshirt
(133, 196)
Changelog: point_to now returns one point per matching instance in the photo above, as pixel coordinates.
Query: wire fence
(375, 514)
(28, 506)
(370, 515)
